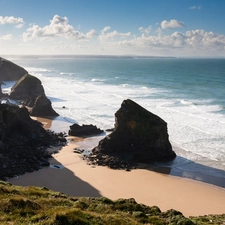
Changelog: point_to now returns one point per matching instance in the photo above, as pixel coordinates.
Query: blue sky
(182, 28)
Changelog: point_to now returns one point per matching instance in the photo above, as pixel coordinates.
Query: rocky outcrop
(84, 130)
(23, 142)
(9, 71)
(27, 89)
(43, 108)
(139, 136)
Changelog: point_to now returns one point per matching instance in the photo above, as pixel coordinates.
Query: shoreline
(70, 174)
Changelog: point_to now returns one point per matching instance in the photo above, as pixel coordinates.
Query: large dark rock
(10, 71)
(23, 142)
(139, 136)
(27, 89)
(43, 108)
(84, 130)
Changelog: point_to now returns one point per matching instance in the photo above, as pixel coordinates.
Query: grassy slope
(33, 205)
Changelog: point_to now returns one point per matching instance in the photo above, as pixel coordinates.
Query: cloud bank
(12, 20)
(193, 38)
(104, 36)
(58, 27)
(161, 38)
(171, 24)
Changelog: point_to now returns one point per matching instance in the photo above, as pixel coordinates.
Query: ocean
(189, 94)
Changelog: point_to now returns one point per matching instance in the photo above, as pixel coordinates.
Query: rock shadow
(183, 167)
(58, 178)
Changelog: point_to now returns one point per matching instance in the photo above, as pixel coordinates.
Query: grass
(34, 205)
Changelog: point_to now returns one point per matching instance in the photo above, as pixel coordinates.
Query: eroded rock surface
(43, 108)
(27, 89)
(23, 142)
(84, 130)
(139, 136)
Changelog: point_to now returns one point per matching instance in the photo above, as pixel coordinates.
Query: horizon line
(103, 56)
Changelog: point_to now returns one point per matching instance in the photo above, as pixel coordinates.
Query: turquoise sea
(189, 94)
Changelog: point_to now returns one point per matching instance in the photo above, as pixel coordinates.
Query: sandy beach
(70, 174)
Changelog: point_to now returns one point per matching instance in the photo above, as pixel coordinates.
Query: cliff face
(9, 71)
(23, 141)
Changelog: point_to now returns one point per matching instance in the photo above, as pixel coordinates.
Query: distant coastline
(74, 56)
(83, 56)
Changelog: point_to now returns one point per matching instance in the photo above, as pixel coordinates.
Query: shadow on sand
(186, 168)
(180, 166)
(57, 178)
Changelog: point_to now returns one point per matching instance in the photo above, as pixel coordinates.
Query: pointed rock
(139, 136)
(27, 89)
(43, 108)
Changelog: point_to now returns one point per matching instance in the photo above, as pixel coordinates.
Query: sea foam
(194, 118)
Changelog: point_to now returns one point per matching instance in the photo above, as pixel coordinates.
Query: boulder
(10, 71)
(27, 89)
(43, 108)
(139, 136)
(84, 130)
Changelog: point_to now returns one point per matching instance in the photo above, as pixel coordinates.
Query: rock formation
(27, 89)
(43, 108)
(139, 136)
(23, 142)
(84, 130)
(10, 71)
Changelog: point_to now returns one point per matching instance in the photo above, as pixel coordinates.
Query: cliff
(9, 71)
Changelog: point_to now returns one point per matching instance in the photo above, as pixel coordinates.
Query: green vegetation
(33, 205)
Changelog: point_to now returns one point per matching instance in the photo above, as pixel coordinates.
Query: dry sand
(74, 177)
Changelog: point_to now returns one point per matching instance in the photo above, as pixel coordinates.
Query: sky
(180, 28)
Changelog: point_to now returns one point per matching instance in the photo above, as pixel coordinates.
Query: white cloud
(91, 34)
(19, 25)
(146, 41)
(196, 38)
(104, 36)
(195, 7)
(145, 30)
(113, 34)
(12, 20)
(190, 41)
(105, 29)
(171, 24)
(58, 27)
(7, 37)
